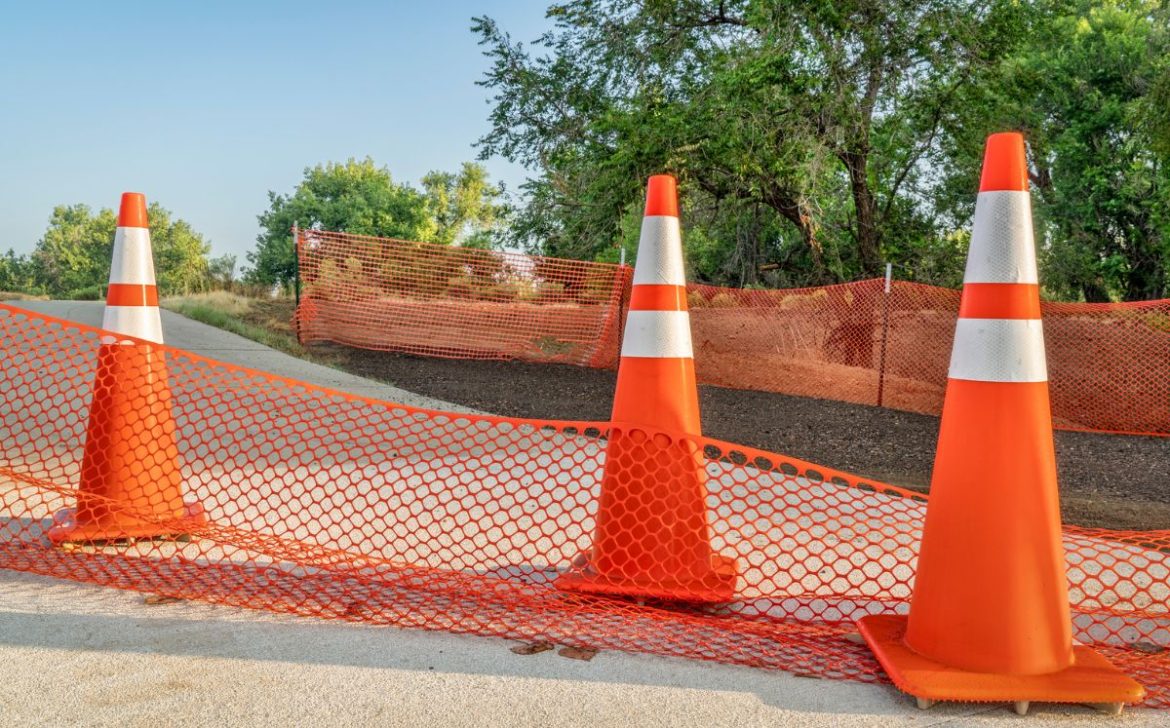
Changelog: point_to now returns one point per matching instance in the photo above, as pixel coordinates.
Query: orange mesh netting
(1109, 364)
(279, 495)
(394, 295)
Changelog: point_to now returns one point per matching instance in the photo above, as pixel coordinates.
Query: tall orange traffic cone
(652, 539)
(989, 616)
(131, 482)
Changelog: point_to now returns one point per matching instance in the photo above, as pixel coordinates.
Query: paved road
(224, 346)
(72, 654)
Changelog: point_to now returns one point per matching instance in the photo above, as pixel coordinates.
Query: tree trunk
(796, 211)
(865, 207)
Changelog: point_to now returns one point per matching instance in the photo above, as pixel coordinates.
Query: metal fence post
(296, 271)
(885, 336)
(296, 238)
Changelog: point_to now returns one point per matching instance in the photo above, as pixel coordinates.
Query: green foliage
(361, 198)
(1082, 89)
(800, 130)
(72, 259)
(88, 293)
(16, 273)
(180, 254)
(465, 206)
(816, 139)
(75, 251)
(221, 271)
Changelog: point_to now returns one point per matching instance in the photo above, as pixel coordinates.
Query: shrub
(88, 293)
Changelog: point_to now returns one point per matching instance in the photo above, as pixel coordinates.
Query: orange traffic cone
(989, 617)
(652, 539)
(131, 483)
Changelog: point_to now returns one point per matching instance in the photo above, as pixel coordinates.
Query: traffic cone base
(716, 586)
(1091, 679)
(120, 526)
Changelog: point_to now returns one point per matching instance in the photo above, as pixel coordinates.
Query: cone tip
(661, 196)
(1004, 164)
(132, 213)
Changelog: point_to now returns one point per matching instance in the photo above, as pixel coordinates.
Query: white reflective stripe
(132, 259)
(660, 253)
(658, 334)
(139, 321)
(999, 350)
(1003, 249)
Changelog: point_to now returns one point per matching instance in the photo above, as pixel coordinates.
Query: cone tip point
(661, 196)
(1005, 166)
(132, 212)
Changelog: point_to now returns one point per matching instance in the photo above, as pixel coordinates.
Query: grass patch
(18, 296)
(264, 320)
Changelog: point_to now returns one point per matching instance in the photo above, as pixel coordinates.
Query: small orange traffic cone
(989, 616)
(131, 482)
(652, 539)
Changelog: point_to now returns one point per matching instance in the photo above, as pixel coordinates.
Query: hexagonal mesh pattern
(144, 467)
(1109, 364)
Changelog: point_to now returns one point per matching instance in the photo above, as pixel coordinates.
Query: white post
(885, 336)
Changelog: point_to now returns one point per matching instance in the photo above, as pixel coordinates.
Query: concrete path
(208, 341)
(73, 654)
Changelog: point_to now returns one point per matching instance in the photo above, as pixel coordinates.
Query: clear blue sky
(206, 106)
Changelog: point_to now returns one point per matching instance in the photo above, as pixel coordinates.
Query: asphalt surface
(208, 341)
(73, 654)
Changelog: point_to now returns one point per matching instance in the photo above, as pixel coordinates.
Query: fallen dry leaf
(532, 648)
(577, 653)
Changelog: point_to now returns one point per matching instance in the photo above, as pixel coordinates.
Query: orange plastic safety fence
(395, 295)
(295, 498)
(1109, 364)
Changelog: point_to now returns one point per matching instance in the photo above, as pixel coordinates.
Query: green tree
(355, 197)
(73, 257)
(1084, 88)
(180, 253)
(16, 273)
(221, 272)
(465, 206)
(802, 131)
(74, 253)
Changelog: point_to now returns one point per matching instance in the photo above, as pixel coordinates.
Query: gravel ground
(1110, 481)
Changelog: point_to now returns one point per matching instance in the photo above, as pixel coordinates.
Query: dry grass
(268, 321)
(18, 296)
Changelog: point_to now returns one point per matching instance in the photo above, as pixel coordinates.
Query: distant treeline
(72, 258)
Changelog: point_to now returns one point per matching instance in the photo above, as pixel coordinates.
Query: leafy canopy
(815, 139)
(799, 130)
(362, 198)
(72, 259)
